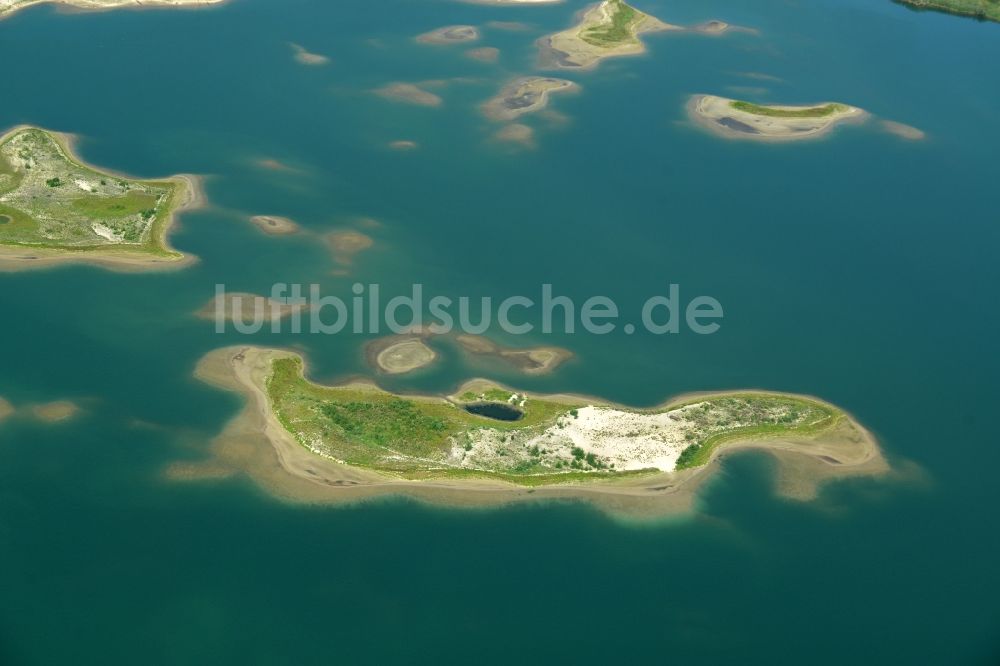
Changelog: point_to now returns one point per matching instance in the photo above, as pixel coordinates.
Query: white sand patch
(630, 440)
(105, 232)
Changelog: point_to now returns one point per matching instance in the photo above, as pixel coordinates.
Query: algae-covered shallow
(59, 209)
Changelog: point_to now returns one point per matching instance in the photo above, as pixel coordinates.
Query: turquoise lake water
(861, 269)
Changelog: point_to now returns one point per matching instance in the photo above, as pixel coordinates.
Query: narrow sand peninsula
(399, 354)
(734, 119)
(525, 95)
(452, 34)
(408, 93)
(246, 308)
(275, 225)
(534, 361)
(609, 29)
(256, 444)
(11, 6)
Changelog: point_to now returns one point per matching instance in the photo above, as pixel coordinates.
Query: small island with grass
(610, 28)
(495, 442)
(984, 10)
(736, 119)
(55, 209)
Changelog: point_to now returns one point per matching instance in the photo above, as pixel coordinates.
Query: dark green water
(861, 269)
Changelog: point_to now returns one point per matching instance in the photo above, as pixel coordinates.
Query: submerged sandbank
(531, 361)
(452, 34)
(527, 94)
(275, 225)
(240, 307)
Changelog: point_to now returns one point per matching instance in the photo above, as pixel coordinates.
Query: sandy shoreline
(8, 7)
(257, 445)
(190, 196)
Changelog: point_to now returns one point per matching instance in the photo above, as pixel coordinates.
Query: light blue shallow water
(861, 269)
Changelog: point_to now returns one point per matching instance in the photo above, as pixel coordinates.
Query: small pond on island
(495, 410)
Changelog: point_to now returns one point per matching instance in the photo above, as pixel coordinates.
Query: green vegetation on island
(986, 10)
(490, 432)
(783, 112)
(610, 28)
(737, 119)
(619, 27)
(51, 202)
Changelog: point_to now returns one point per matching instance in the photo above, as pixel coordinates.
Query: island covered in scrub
(10, 6)
(499, 439)
(53, 208)
(987, 10)
(744, 120)
(611, 28)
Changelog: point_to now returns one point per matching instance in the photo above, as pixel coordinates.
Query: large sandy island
(734, 119)
(11, 6)
(256, 444)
